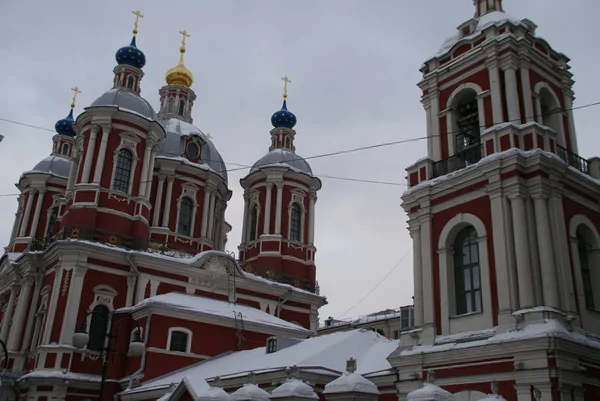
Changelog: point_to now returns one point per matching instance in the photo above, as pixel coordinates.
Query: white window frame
(297, 197)
(253, 202)
(188, 191)
(129, 141)
(189, 339)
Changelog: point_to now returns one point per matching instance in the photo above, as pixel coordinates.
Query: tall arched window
(467, 121)
(170, 105)
(467, 278)
(586, 272)
(253, 222)
(98, 328)
(130, 82)
(65, 149)
(551, 112)
(51, 220)
(288, 142)
(181, 108)
(184, 225)
(295, 222)
(123, 170)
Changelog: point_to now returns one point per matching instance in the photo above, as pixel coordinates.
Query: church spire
(483, 7)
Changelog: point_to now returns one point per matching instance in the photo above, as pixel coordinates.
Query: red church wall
(292, 316)
(165, 288)
(63, 294)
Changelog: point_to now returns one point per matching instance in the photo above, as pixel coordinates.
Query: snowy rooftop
(294, 388)
(351, 383)
(249, 392)
(370, 318)
(212, 307)
(493, 397)
(330, 352)
(430, 392)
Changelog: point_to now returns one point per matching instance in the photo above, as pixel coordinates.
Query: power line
(378, 284)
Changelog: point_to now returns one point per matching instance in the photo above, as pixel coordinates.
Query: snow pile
(212, 394)
(250, 392)
(294, 388)
(351, 383)
(493, 397)
(430, 392)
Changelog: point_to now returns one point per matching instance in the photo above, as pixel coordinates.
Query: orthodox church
(115, 284)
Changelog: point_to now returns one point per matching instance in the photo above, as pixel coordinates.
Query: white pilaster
(435, 126)
(36, 214)
(73, 303)
(204, 226)
(28, 206)
(130, 290)
(534, 253)
(278, 207)
(49, 321)
(145, 164)
(150, 176)
(101, 154)
(538, 108)
(267, 222)
(21, 311)
(73, 171)
(167, 211)
(311, 217)
(158, 203)
(512, 94)
(522, 252)
(496, 94)
(427, 273)
(569, 110)
(526, 89)
(245, 219)
(211, 215)
(415, 233)
(8, 314)
(549, 277)
(89, 155)
(430, 136)
(501, 257)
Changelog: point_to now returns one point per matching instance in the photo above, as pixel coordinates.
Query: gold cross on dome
(208, 135)
(185, 35)
(76, 91)
(138, 15)
(286, 81)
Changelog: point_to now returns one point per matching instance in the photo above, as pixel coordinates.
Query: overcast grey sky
(354, 67)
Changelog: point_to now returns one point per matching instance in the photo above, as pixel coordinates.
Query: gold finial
(179, 75)
(208, 135)
(76, 91)
(286, 81)
(138, 15)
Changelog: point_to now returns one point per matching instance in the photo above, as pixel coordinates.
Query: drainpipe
(286, 298)
(138, 372)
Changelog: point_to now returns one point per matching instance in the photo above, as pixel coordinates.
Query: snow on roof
(294, 388)
(549, 328)
(370, 318)
(493, 397)
(351, 383)
(201, 391)
(60, 374)
(329, 351)
(214, 307)
(430, 392)
(250, 392)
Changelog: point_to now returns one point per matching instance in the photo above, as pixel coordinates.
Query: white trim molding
(188, 332)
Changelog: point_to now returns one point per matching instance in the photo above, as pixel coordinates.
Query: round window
(193, 150)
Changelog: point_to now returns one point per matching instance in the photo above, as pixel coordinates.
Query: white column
(70, 322)
(72, 171)
(451, 132)
(501, 258)
(522, 252)
(204, 225)
(311, 217)
(130, 289)
(534, 253)
(496, 94)
(211, 215)
(36, 215)
(538, 109)
(549, 277)
(101, 154)
(526, 89)
(430, 135)
(167, 211)
(144, 175)
(21, 311)
(427, 273)
(89, 155)
(569, 109)
(150, 173)
(8, 314)
(512, 95)
(435, 125)
(267, 224)
(25, 220)
(278, 207)
(415, 233)
(158, 202)
(245, 221)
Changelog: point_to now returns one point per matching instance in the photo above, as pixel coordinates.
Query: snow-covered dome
(351, 383)
(282, 157)
(430, 392)
(294, 388)
(212, 394)
(249, 392)
(54, 165)
(173, 144)
(126, 100)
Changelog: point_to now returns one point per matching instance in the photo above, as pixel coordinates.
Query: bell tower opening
(467, 126)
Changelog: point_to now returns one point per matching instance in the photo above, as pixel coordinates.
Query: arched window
(587, 262)
(295, 223)
(288, 142)
(181, 107)
(123, 171)
(51, 220)
(65, 149)
(466, 117)
(130, 82)
(551, 115)
(179, 340)
(184, 225)
(98, 328)
(467, 278)
(170, 105)
(253, 223)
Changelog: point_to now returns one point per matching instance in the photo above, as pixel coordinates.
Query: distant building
(390, 323)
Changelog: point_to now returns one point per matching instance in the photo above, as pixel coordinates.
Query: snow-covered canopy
(351, 383)
(249, 392)
(430, 392)
(294, 388)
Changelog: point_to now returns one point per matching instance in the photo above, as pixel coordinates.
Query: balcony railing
(458, 161)
(573, 159)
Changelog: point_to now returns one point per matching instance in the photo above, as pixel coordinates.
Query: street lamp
(136, 346)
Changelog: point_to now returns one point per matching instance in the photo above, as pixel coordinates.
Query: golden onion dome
(179, 75)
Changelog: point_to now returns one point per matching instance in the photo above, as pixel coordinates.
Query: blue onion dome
(131, 55)
(283, 118)
(65, 125)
